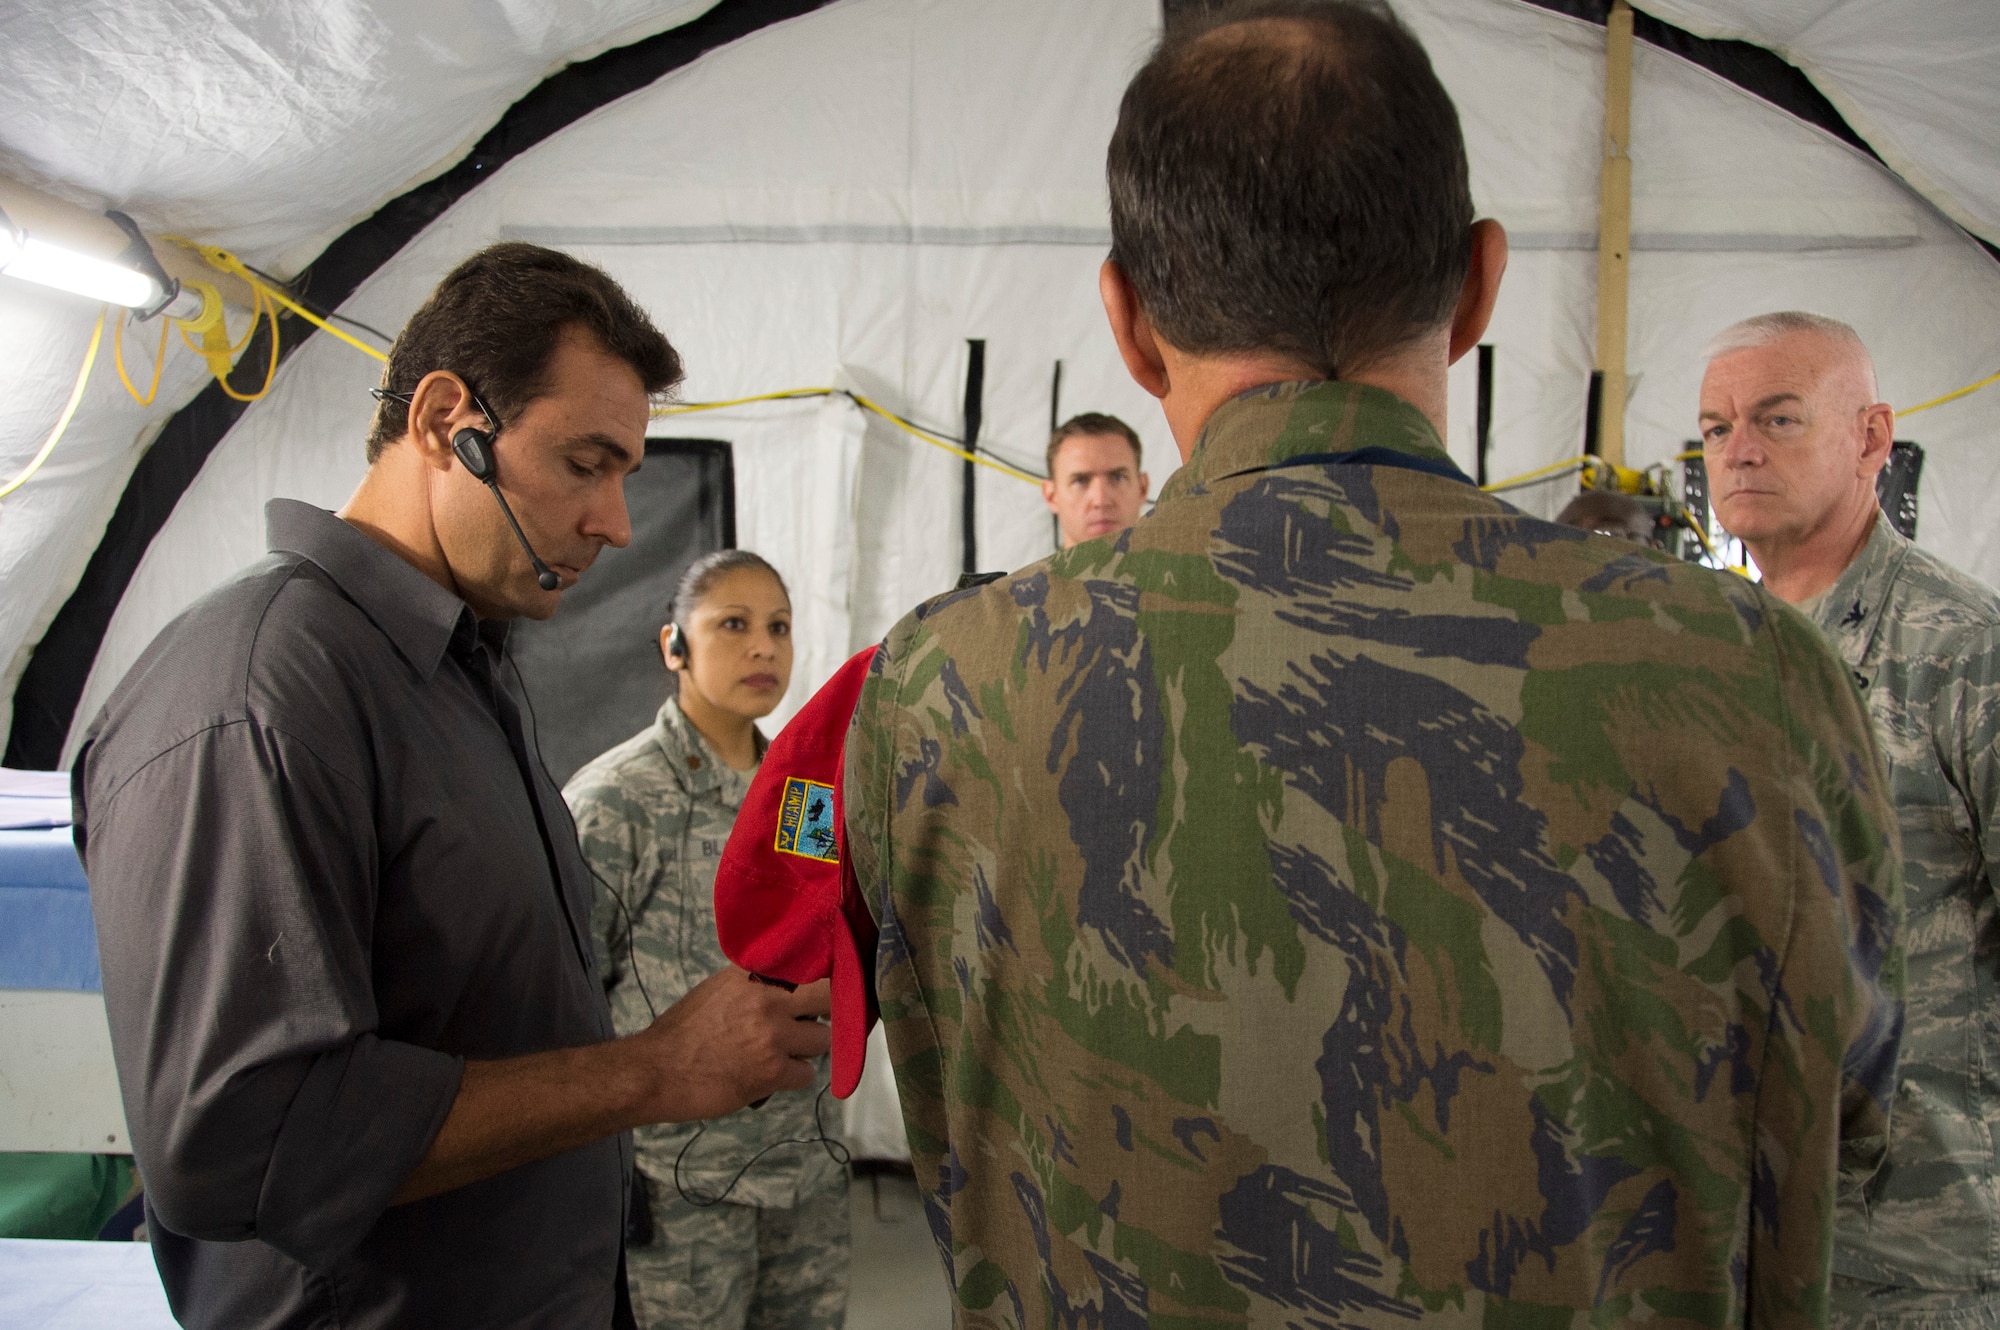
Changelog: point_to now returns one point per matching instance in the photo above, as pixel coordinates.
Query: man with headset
(344, 922)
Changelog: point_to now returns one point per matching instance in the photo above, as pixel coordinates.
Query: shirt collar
(693, 762)
(1852, 609)
(1278, 421)
(418, 616)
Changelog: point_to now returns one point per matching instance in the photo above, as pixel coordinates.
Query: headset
(474, 450)
(677, 642)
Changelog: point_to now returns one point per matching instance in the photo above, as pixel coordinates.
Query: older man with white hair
(1794, 438)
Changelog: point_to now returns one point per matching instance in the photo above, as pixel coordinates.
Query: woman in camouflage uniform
(767, 1249)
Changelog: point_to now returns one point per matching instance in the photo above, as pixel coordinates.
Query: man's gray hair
(1766, 328)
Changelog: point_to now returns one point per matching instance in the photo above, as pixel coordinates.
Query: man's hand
(730, 1041)
(726, 1043)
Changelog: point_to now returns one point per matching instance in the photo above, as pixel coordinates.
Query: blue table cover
(47, 938)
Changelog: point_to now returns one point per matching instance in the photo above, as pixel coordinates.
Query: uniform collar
(419, 617)
(692, 761)
(1279, 421)
(1853, 609)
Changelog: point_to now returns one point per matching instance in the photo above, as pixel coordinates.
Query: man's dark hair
(1091, 422)
(1298, 185)
(495, 321)
(1611, 513)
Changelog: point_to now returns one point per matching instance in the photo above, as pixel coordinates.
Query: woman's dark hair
(1289, 175)
(495, 321)
(705, 572)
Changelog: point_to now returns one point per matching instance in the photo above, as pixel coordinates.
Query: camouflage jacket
(653, 815)
(1923, 641)
(1342, 899)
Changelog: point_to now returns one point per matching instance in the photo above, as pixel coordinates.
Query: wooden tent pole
(1614, 233)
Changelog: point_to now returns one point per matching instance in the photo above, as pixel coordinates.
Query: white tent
(842, 194)
(845, 194)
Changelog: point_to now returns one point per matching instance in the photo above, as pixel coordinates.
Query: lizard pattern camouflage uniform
(1341, 900)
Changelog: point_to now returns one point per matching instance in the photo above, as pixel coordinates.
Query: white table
(80, 1286)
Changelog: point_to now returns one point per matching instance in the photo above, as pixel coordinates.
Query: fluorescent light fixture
(100, 257)
(67, 270)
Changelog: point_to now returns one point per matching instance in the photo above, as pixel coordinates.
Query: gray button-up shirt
(326, 869)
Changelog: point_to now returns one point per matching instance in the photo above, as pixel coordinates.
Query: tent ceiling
(271, 129)
(1919, 82)
(267, 129)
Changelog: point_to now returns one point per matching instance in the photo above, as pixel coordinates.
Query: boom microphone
(474, 450)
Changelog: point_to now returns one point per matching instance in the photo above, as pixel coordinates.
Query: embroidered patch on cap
(805, 821)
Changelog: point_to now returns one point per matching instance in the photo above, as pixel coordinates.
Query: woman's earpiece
(677, 643)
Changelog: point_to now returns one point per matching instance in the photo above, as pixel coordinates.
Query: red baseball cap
(787, 907)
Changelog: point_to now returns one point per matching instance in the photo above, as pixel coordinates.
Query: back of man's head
(1289, 175)
(495, 321)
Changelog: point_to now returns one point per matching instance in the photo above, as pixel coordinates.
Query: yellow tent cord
(935, 442)
(1966, 391)
(159, 360)
(789, 394)
(223, 261)
(218, 337)
(1552, 469)
(873, 408)
(69, 410)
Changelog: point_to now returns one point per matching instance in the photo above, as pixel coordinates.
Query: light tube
(37, 260)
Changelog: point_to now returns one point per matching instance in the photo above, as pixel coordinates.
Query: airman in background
(1794, 435)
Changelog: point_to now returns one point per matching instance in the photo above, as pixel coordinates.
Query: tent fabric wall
(846, 115)
(269, 129)
(1921, 83)
(848, 196)
(1738, 209)
(805, 528)
(115, 493)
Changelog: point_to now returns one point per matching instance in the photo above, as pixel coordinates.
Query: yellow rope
(263, 310)
(69, 410)
(1966, 391)
(936, 442)
(159, 360)
(789, 394)
(223, 261)
(1552, 469)
(792, 394)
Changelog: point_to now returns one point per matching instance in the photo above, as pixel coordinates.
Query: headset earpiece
(677, 643)
(474, 449)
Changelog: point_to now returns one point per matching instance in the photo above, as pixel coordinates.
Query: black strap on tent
(45, 702)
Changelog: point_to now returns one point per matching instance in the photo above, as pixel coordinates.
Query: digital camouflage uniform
(1923, 641)
(653, 815)
(1342, 900)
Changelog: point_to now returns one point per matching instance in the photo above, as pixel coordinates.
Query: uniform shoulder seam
(214, 727)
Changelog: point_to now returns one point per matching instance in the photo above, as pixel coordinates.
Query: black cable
(835, 1150)
(298, 293)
